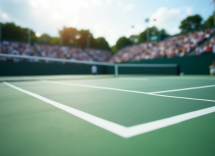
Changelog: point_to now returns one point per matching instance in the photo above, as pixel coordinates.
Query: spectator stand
(100, 55)
(174, 46)
(207, 46)
(207, 38)
(16, 47)
(61, 51)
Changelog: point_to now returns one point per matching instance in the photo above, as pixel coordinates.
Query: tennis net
(19, 67)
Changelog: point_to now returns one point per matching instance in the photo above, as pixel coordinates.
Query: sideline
(175, 90)
(123, 90)
(120, 130)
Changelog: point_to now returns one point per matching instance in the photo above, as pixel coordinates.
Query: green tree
(210, 21)
(122, 42)
(133, 38)
(12, 31)
(152, 31)
(55, 40)
(72, 36)
(114, 49)
(191, 23)
(69, 35)
(164, 32)
(45, 38)
(101, 43)
(83, 36)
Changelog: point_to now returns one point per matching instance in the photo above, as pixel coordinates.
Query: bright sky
(109, 18)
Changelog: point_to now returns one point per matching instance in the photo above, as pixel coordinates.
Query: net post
(178, 70)
(116, 70)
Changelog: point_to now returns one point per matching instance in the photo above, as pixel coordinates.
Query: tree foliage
(83, 36)
(152, 31)
(133, 38)
(121, 42)
(210, 21)
(45, 38)
(12, 31)
(75, 37)
(191, 23)
(70, 36)
(143, 35)
(101, 43)
(114, 49)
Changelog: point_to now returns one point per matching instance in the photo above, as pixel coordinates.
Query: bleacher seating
(208, 47)
(16, 48)
(174, 46)
(98, 55)
(63, 52)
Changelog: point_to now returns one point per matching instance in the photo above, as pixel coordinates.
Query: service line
(118, 129)
(175, 90)
(124, 90)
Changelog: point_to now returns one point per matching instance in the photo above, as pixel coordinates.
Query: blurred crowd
(208, 47)
(62, 52)
(98, 55)
(16, 48)
(174, 46)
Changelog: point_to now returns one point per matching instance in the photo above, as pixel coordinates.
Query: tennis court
(106, 116)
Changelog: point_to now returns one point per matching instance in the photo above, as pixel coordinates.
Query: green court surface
(107, 116)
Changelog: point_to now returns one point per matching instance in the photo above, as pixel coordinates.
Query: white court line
(175, 90)
(189, 78)
(176, 78)
(139, 79)
(110, 126)
(123, 90)
(89, 86)
(178, 97)
(120, 130)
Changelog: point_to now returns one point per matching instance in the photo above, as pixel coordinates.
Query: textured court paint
(153, 84)
(107, 104)
(120, 130)
(175, 90)
(130, 91)
(31, 127)
(207, 93)
(170, 78)
(110, 126)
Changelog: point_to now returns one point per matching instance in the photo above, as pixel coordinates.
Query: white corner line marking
(125, 132)
(110, 126)
(123, 90)
(184, 78)
(138, 79)
(89, 86)
(147, 127)
(175, 90)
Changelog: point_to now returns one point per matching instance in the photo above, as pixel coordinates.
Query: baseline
(123, 90)
(110, 126)
(175, 90)
(120, 130)
(176, 78)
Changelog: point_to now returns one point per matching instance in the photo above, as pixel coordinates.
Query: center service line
(120, 130)
(123, 90)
